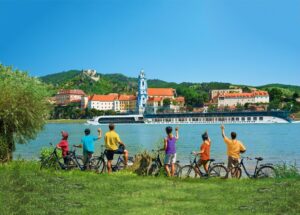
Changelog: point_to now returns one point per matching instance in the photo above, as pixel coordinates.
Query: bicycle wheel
(153, 170)
(266, 172)
(187, 171)
(100, 166)
(218, 171)
(72, 164)
(235, 172)
(49, 162)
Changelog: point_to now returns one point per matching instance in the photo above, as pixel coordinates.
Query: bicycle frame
(241, 164)
(158, 161)
(194, 163)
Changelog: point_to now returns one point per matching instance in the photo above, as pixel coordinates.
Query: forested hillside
(196, 94)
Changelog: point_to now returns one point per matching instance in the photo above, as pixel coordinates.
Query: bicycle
(54, 161)
(261, 171)
(156, 166)
(192, 170)
(99, 164)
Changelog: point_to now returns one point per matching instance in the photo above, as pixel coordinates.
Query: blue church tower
(142, 93)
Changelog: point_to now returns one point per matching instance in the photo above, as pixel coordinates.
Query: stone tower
(142, 93)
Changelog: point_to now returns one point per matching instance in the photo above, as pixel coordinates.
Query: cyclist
(234, 148)
(88, 145)
(170, 150)
(204, 152)
(114, 145)
(64, 146)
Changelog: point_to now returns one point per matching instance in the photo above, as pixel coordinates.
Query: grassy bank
(62, 121)
(27, 190)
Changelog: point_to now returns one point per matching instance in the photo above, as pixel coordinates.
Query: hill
(196, 94)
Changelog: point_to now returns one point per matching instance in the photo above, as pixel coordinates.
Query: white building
(232, 99)
(104, 102)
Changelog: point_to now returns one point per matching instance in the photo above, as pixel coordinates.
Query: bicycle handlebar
(247, 158)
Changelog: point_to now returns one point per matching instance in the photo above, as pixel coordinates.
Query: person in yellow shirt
(234, 148)
(114, 145)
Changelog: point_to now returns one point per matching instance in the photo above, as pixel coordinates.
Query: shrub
(287, 171)
(45, 154)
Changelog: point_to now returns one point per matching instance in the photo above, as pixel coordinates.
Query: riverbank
(27, 190)
(63, 121)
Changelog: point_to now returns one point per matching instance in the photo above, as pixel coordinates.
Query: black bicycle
(99, 163)
(217, 170)
(56, 162)
(156, 167)
(265, 170)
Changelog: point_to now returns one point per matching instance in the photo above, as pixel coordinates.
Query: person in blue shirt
(88, 145)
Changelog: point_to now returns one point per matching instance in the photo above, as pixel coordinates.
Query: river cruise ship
(197, 118)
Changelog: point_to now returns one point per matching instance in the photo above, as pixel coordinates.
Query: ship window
(255, 118)
(232, 119)
(249, 118)
(237, 119)
(261, 118)
(243, 118)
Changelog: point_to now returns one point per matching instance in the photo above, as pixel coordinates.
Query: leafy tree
(275, 94)
(23, 109)
(240, 107)
(212, 108)
(166, 102)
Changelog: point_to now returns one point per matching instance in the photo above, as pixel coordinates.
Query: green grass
(27, 190)
(63, 121)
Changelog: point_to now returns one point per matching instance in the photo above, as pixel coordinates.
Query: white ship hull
(218, 120)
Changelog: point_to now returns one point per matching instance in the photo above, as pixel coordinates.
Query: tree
(23, 109)
(239, 107)
(166, 102)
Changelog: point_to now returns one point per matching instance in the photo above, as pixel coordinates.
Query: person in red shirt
(204, 152)
(64, 146)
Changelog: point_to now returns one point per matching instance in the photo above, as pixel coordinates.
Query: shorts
(110, 153)
(170, 158)
(87, 156)
(232, 162)
(202, 162)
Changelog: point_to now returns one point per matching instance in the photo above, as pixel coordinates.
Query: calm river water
(274, 142)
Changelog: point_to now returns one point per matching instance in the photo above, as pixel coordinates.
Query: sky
(251, 42)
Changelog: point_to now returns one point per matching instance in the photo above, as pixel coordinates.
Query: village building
(64, 97)
(113, 101)
(214, 94)
(233, 99)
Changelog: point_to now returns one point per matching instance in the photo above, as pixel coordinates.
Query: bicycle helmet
(64, 134)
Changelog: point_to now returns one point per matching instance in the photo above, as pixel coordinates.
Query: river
(274, 142)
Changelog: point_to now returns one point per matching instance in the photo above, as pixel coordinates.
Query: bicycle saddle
(211, 160)
(259, 158)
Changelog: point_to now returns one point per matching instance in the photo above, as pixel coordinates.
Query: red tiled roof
(247, 95)
(107, 98)
(127, 97)
(161, 92)
(155, 99)
(180, 99)
(261, 93)
(74, 92)
(231, 95)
